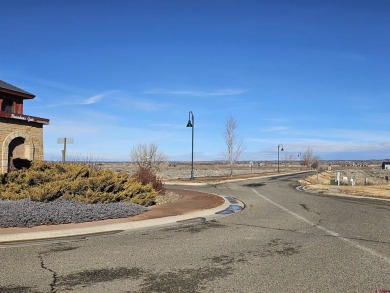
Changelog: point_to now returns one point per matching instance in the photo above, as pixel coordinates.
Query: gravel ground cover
(27, 213)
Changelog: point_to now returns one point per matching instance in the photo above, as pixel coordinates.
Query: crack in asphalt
(192, 280)
(55, 249)
(331, 233)
(196, 228)
(53, 283)
(304, 231)
(367, 240)
(304, 207)
(266, 227)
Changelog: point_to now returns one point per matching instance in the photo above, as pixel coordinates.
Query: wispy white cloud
(353, 135)
(94, 99)
(276, 120)
(287, 133)
(194, 93)
(97, 115)
(37, 84)
(70, 128)
(142, 104)
(325, 149)
(167, 125)
(344, 150)
(147, 105)
(336, 143)
(274, 129)
(73, 100)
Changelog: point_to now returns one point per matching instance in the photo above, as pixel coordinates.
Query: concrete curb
(339, 194)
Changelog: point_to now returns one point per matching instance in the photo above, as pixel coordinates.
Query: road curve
(284, 240)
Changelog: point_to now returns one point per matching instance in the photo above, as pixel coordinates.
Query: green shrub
(46, 181)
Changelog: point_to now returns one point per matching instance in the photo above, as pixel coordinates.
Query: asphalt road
(284, 240)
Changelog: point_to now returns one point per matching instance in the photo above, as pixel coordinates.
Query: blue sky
(113, 74)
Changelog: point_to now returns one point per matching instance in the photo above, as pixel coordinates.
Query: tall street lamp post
(192, 125)
(278, 154)
(298, 157)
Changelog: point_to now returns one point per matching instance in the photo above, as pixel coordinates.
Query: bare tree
(290, 158)
(316, 162)
(148, 156)
(234, 145)
(309, 159)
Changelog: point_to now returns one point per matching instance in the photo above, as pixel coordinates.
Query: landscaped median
(189, 205)
(57, 193)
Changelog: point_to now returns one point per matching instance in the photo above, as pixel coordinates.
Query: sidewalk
(190, 205)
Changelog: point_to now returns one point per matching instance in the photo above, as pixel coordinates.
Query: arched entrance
(16, 145)
(16, 149)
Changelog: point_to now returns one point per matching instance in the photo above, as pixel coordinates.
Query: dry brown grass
(321, 183)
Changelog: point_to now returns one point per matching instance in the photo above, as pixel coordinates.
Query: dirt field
(207, 171)
(368, 179)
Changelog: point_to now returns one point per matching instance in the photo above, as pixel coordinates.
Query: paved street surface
(284, 240)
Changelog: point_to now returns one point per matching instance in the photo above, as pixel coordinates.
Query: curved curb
(338, 194)
(207, 214)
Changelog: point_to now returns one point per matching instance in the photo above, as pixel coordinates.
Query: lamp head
(189, 124)
(282, 149)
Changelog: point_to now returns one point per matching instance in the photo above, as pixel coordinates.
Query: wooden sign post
(64, 141)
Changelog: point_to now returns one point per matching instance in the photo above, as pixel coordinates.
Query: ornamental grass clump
(45, 182)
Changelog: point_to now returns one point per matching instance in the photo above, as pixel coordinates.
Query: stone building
(21, 136)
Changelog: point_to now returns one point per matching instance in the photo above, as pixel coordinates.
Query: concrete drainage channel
(231, 206)
(235, 206)
(197, 223)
